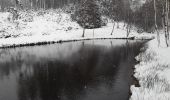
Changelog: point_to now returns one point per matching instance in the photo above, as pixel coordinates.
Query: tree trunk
(36, 4)
(83, 32)
(40, 4)
(53, 4)
(166, 22)
(44, 5)
(118, 24)
(128, 29)
(124, 25)
(113, 27)
(93, 32)
(156, 26)
(128, 25)
(167, 15)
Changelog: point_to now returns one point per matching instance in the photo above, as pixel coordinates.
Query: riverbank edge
(135, 81)
(152, 72)
(71, 40)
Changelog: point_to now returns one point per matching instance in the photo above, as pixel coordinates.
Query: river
(83, 70)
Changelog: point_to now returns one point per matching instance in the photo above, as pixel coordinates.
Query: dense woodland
(149, 15)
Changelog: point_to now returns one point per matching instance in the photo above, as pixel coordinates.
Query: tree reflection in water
(92, 72)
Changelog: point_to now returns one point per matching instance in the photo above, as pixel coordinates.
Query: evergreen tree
(88, 14)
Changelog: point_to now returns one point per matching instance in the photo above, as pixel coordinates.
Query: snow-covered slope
(51, 26)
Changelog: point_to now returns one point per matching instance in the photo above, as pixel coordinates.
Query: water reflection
(88, 70)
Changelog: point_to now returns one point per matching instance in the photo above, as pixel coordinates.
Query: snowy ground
(52, 27)
(153, 73)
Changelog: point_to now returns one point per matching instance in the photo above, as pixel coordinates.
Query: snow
(54, 26)
(153, 73)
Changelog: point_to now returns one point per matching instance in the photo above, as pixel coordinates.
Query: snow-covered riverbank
(153, 73)
(53, 27)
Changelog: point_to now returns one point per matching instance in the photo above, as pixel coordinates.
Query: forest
(131, 11)
(145, 15)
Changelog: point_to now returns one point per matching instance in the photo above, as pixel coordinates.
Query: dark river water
(85, 70)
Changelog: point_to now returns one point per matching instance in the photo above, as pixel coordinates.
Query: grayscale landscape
(84, 50)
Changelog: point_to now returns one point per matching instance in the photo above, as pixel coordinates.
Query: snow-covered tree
(88, 15)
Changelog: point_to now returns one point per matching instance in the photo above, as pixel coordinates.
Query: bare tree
(129, 23)
(165, 19)
(156, 26)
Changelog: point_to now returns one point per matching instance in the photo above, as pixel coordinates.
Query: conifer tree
(88, 15)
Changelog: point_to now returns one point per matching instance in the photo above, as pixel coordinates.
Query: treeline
(149, 17)
(47, 4)
(142, 17)
(36, 4)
